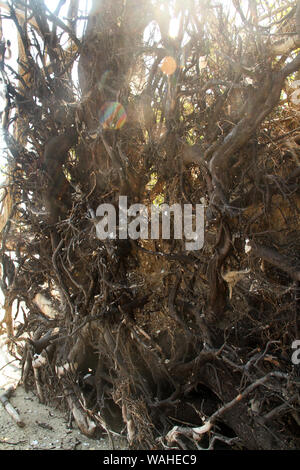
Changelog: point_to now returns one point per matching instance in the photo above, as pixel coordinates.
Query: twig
(11, 443)
(4, 399)
(3, 367)
(197, 432)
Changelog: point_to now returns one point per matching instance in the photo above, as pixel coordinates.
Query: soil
(46, 427)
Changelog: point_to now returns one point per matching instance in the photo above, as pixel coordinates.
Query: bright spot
(202, 62)
(295, 84)
(174, 27)
(247, 246)
(296, 97)
(168, 65)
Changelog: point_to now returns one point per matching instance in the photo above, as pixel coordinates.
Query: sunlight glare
(174, 27)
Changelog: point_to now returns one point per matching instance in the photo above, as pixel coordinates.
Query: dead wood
(172, 348)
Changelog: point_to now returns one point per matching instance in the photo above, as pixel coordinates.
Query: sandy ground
(45, 428)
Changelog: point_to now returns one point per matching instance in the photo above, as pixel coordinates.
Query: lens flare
(168, 65)
(112, 115)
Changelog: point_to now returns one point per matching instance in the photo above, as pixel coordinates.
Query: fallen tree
(176, 348)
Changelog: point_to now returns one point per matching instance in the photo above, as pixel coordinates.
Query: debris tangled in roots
(174, 348)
